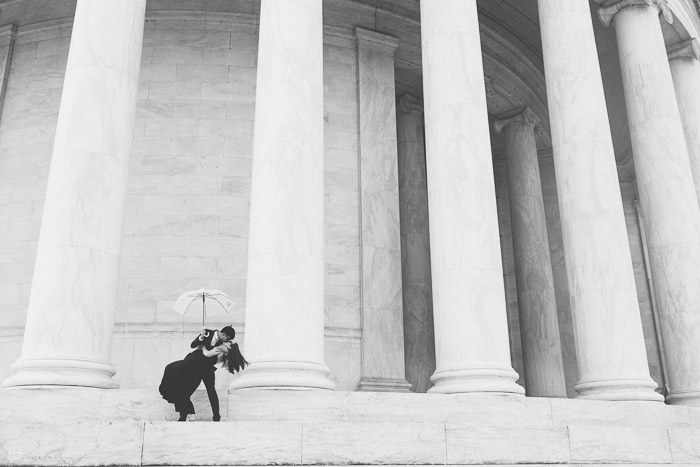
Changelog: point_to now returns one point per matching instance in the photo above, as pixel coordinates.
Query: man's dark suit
(208, 341)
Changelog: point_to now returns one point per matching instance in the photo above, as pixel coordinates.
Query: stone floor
(134, 427)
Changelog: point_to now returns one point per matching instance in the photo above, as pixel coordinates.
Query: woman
(181, 378)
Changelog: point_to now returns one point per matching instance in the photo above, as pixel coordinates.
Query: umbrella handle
(204, 308)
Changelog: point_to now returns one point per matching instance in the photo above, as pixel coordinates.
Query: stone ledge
(86, 404)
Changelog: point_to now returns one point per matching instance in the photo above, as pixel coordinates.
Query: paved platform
(133, 427)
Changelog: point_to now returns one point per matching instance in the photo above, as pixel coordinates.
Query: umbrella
(211, 302)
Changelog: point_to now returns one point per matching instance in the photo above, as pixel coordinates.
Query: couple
(181, 378)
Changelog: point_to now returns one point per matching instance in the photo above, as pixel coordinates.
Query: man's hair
(229, 331)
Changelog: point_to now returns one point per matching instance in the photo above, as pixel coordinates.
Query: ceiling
(514, 22)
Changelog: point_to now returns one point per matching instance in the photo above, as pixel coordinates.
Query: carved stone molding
(7, 34)
(376, 40)
(685, 49)
(607, 13)
(409, 103)
(490, 92)
(522, 115)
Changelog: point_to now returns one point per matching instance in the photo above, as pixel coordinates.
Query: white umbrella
(211, 302)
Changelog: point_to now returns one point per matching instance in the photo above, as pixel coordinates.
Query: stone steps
(127, 427)
(337, 443)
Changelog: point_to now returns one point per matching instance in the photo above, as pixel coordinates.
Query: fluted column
(537, 305)
(418, 329)
(471, 331)
(666, 188)
(610, 347)
(68, 335)
(284, 296)
(684, 59)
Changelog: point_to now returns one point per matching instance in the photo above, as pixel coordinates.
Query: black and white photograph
(349, 232)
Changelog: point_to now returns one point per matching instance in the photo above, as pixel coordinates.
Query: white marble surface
(309, 427)
(604, 300)
(233, 443)
(472, 445)
(75, 285)
(685, 445)
(71, 443)
(471, 332)
(459, 409)
(539, 326)
(285, 294)
(684, 61)
(383, 443)
(418, 327)
(383, 367)
(581, 412)
(667, 194)
(593, 444)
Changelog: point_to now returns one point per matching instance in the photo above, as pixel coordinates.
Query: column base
(619, 390)
(61, 372)
(691, 398)
(384, 385)
(494, 381)
(284, 375)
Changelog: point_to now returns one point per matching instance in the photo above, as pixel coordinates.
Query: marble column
(68, 335)
(383, 366)
(610, 348)
(418, 329)
(666, 188)
(684, 59)
(8, 34)
(537, 306)
(471, 331)
(284, 320)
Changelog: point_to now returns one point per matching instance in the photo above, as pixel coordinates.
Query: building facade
(445, 196)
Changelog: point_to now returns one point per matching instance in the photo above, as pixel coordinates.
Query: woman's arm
(220, 349)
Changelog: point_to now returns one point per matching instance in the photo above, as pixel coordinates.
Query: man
(210, 338)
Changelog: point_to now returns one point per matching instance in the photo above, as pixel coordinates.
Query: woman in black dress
(181, 378)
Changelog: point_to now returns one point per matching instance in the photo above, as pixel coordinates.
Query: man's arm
(201, 339)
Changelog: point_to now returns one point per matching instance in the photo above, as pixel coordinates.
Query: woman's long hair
(234, 361)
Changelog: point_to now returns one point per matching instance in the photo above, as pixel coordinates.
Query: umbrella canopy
(209, 301)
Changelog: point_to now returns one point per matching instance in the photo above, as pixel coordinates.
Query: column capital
(685, 49)
(408, 103)
(376, 40)
(607, 12)
(522, 115)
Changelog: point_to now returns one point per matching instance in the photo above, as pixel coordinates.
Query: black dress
(181, 379)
